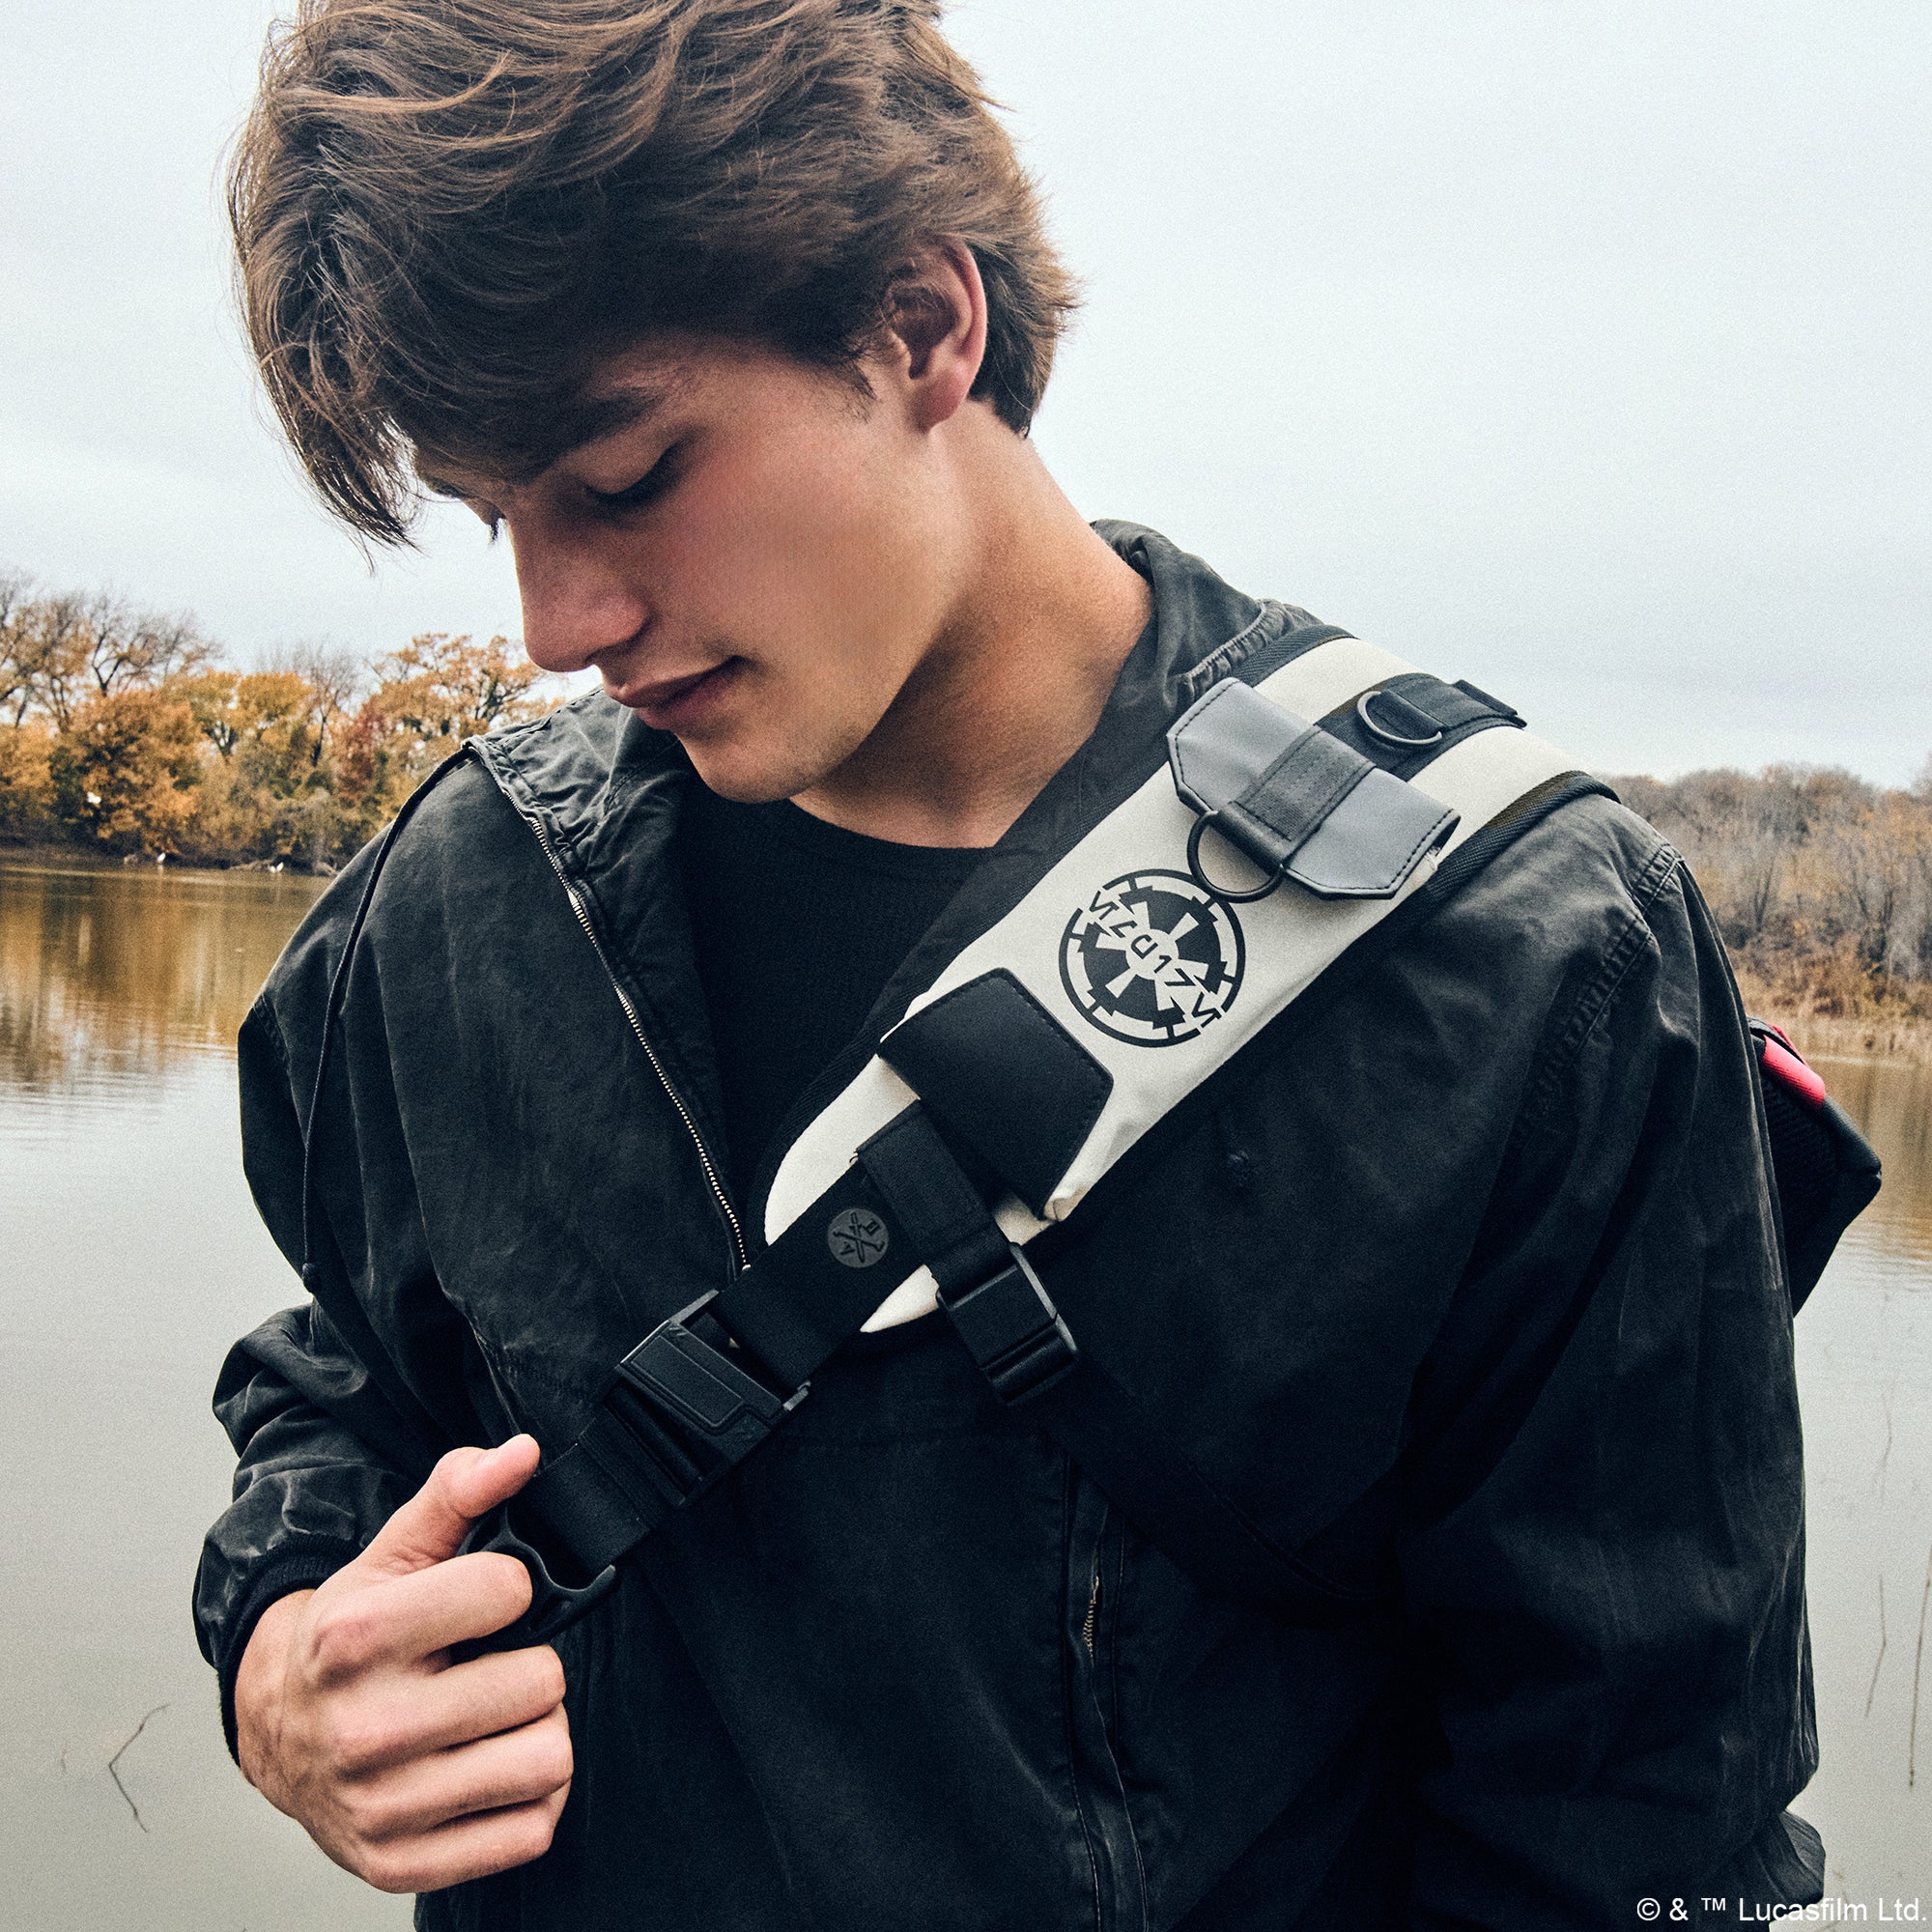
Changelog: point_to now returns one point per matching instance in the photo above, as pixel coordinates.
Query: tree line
(127, 730)
(1821, 882)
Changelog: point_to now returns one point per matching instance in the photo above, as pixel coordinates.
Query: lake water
(130, 1257)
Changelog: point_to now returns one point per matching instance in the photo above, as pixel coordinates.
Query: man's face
(758, 563)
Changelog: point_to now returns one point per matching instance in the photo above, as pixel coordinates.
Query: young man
(1462, 1278)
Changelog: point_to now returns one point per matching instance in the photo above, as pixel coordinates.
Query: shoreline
(1880, 1033)
(59, 854)
(1826, 1038)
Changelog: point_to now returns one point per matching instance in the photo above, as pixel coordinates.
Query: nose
(580, 600)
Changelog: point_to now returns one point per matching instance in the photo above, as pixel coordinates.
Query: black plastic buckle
(555, 1605)
(695, 1412)
(1014, 1331)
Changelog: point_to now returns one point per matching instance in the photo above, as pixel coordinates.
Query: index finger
(452, 1602)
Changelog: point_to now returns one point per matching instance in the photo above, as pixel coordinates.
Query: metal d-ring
(1383, 733)
(1227, 894)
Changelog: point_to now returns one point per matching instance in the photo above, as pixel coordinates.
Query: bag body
(1825, 1173)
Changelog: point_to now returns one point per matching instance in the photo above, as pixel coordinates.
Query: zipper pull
(1092, 1615)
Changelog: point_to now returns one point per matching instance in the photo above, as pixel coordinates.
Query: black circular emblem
(1152, 960)
(857, 1237)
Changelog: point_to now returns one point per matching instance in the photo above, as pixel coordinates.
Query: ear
(936, 330)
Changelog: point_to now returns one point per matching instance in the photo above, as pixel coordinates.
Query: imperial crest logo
(1152, 960)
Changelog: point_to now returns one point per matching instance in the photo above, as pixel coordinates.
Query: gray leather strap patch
(1283, 808)
(1296, 799)
(1368, 847)
(1225, 741)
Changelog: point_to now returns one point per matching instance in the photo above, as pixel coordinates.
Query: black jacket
(1488, 1208)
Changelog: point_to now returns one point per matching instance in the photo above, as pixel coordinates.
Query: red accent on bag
(1782, 1064)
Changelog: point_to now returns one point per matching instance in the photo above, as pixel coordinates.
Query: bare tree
(334, 676)
(15, 586)
(136, 650)
(51, 640)
(1740, 833)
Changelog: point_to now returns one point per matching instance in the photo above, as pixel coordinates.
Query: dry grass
(1827, 1013)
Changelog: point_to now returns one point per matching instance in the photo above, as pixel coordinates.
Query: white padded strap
(1226, 970)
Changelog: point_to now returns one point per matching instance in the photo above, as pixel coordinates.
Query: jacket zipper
(582, 912)
(1118, 1884)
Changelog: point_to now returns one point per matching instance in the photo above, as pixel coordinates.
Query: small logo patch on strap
(1152, 960)
(857, 1239)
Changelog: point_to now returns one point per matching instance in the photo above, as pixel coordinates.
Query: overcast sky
(1579, 347)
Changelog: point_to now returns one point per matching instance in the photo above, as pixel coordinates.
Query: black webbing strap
(707, 1387)
(929, 1194)
(702, 1390)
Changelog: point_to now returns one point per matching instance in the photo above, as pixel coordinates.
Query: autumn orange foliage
(124, 731)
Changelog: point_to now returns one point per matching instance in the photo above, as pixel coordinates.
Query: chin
(750, 774)
(797, 753)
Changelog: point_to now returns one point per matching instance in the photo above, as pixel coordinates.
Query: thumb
(430, 1527)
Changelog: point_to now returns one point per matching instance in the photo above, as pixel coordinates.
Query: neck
(1014, 683)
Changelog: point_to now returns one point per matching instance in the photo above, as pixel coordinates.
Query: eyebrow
(586, 420)
(591, 419)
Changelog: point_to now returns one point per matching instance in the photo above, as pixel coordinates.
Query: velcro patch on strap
(998, 1070)
(1296, 799)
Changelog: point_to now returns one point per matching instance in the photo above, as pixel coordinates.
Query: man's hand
(411, 1772)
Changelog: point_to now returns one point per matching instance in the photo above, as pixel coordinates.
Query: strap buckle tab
(1014, 1331)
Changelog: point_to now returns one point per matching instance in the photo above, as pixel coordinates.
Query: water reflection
(1892, 1101)
(130, 1257)
(111, 976)
(1864, 1380)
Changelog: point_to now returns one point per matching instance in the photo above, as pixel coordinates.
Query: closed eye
(648, 486)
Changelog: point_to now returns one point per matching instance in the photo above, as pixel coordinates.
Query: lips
(677, 703)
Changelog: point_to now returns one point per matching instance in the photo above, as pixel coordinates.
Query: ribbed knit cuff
(301, 1566)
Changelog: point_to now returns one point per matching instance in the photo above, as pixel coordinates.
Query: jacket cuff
(1783, 1865)
(301, 1566)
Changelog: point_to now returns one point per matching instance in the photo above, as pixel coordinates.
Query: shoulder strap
(1137, 949)
(1040, 1056)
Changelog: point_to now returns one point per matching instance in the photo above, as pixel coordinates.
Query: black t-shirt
(798, 927)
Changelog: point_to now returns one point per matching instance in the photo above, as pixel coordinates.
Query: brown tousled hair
(445, 209)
